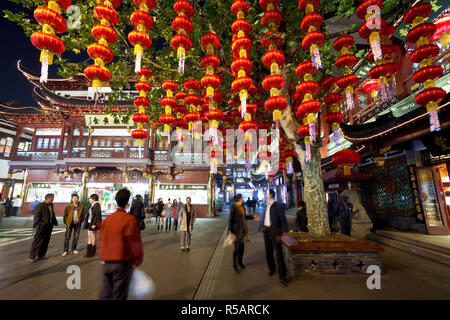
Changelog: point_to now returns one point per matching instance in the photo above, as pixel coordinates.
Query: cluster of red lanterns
(311, 23)
(193, 103)
(52, 22)
(332, 100)
(241, 46)
(183, 26)
(377, 32)
(141, 102)
(99, 51)
(143, 22)
(308, 108)
(168, 102)
(346, 61)
(211, 81)
(423, 54)
(346, 158)
(273, 59)
(179, 110)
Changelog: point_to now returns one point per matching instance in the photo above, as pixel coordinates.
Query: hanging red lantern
(442, 32)
(143, 22)
(372, 86)
(346, 158)
(105, 13)
(52, 22)
(183, 26)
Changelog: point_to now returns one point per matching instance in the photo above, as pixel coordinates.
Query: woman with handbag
(237, 225)
(187, 219)
(92, 224)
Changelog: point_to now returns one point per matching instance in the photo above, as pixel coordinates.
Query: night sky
(15, 46)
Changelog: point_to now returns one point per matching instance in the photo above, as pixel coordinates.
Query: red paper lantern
(346, 158)
(272, 38)
(328, 83)
(140, 117)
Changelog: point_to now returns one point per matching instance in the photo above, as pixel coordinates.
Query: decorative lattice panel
(391, 189)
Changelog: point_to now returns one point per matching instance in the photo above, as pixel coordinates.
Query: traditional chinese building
(70, 145)
(402, 179)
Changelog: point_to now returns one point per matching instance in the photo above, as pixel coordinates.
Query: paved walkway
(206, 272)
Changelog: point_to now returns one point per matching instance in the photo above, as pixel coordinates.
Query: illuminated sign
(104, 120)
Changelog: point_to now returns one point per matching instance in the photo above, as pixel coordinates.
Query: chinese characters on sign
(416, 193)
(103, 120)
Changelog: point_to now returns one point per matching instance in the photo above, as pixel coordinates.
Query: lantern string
(349, 99)
(181, 64)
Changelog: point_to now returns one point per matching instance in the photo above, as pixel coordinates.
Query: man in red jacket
(120, 249)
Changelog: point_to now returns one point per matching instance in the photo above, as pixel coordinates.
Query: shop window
(95, 144)
(21, 146)
(45, 144)
(58, 142)
(39, 143)
(65, 143)
(9, 143)
(83, 142)
(102, 142)
(109, 142)
(2, 145)
(52, 143)
(117, 144)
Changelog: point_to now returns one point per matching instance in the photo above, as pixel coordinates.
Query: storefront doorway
(433, 198)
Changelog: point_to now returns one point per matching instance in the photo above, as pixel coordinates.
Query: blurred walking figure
(301, 220)
(274, 226)
(332, 208)
(92, 224)
(176, 213)
(249, 205)
(16, 204)
(121, 250)
(159, 207)
(237, 225)
(44, 220)
(73, 218)
(138, 211)
(187, 219)
(168, 214)
(2, 208)
(345, 213)
(150, 211)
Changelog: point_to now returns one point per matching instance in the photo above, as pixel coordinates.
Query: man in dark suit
(44, 220)
(274, 225)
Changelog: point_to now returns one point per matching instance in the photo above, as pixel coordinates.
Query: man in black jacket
(274, 225)
(44, 220)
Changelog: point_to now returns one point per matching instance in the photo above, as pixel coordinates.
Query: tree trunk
(314, 192)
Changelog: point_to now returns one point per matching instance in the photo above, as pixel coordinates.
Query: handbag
(229, 241)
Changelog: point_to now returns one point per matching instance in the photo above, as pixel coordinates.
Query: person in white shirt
(274, 225)
(16, 203)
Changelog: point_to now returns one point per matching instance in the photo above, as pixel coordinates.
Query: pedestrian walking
(44, 220)
(274, 225)
(345, 213)
(254, 203)
(237, 225)
(137, 210)
(159, 207)
(73, 218)
(168, 214)
(301, 220)
(2, 208)
(8, 204)
(92, 224)
(332, 208)
(149, 211)
(249, 205)
(176, 210)
(16, 204)
(187, 219)
(121, 250)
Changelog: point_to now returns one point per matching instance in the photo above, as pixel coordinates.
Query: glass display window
(46, 143)
(62, 191)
